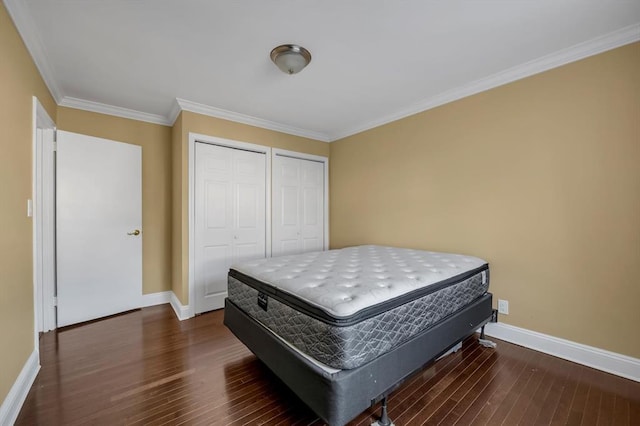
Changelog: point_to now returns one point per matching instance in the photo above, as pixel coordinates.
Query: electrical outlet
(503, 306)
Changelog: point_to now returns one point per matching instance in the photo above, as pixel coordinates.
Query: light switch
(29, 208)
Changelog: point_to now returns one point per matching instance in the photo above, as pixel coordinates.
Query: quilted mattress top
(346, 281)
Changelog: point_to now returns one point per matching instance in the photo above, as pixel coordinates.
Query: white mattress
(346, 281)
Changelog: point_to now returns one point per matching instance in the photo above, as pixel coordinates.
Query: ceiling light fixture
(290, 58)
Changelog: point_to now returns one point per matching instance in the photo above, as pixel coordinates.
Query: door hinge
(55, 301)
(55, 146)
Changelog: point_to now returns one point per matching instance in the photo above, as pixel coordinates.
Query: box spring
(340, 396)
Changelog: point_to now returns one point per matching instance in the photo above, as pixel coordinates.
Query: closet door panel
(298, 203)
(312, 221)
(230, 217)
(286, 206)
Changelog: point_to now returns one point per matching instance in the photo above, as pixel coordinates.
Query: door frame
(43, 221)
(320, 159)
(229, 143)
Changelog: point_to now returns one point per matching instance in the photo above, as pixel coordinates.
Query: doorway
(43, 213)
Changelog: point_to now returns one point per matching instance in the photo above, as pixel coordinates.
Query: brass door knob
(136, 232)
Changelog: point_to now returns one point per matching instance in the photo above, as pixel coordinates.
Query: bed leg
(384, 418)
(484, 342)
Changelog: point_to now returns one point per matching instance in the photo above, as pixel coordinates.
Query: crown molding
(18, 10)
(186, 105)
(174, 112)
(574, 53)
(114, 110)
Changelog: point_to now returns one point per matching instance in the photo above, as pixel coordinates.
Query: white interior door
(298, 205)
(230, 217)
(98, 211)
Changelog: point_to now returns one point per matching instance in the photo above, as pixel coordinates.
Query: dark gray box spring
(339, 397)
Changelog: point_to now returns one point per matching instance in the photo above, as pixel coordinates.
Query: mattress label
(263, 300)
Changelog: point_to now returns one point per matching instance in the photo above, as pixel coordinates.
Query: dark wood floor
(146, 367)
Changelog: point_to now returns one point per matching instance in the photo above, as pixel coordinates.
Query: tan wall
(197, 123)
(155, 141)
(19, 81)
(541, 177)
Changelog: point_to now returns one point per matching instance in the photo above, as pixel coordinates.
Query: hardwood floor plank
(605, 414)
(422, 393)
(579, 401)
(447, 401)
(620, 411)
(536, 403)
(469, 406)
(633, 395)
(439, 393)
(590, 412)
(519, 407)
(561, 413)
(148, 368)
(399, 398)
(507, 380)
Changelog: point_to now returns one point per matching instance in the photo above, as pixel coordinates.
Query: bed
(343, 328)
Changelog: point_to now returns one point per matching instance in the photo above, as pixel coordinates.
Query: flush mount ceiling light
(290, 58)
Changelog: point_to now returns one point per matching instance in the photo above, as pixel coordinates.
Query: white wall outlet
(503, 306)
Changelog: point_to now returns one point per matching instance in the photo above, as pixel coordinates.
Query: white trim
(182, 312)
(43, 244)
(18, 10)
(14, 400)
(36, 243)
(320, 159)
(48, 222)
(154, 299)
(186, 105)
(174, 112)
(193, 138)
(574, 53)
(113, 110)
(600, 359)
(160, 298)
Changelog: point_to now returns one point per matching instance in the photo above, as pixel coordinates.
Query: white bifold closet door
(230, 217)
(298, 205)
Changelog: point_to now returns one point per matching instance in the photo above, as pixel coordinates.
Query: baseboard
(182, 312)
(154, 299)
(600, 359)
(12, 404)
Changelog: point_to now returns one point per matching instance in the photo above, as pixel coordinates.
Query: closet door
(230, 217)
(298, 205)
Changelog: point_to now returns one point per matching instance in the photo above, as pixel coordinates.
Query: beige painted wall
(540, 177)
(197, 123)
(19, 81)
(155, 141)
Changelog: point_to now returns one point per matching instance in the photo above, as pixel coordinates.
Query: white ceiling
(373, 60)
